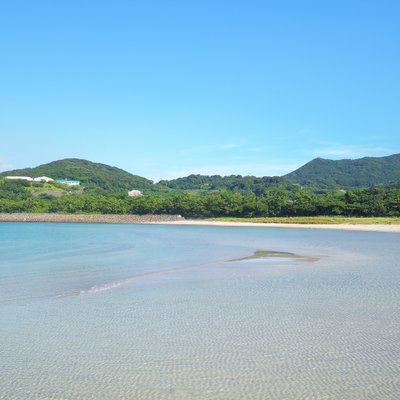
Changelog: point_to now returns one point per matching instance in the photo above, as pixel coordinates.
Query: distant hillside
(317, 174)
(229, 183)
(363, 172)
(92, 175)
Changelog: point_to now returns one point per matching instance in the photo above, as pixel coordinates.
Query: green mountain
(93, 176)
(362, 172)
(317, 174)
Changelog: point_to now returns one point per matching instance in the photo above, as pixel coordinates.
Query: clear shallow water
(156, 312)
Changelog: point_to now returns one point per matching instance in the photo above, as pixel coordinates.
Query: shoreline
(344, 227)
(178, 220)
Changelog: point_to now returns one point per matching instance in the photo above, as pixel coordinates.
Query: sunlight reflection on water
(169, 318)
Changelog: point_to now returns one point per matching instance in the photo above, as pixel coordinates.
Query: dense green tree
(15, 196)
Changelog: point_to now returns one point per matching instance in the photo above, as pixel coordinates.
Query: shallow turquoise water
(156, 312)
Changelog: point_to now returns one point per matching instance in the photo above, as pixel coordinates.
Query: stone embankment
(89, 218)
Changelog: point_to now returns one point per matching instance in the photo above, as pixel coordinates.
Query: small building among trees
(69, 182)
(135, 193)
(24, 178)
(43, 179)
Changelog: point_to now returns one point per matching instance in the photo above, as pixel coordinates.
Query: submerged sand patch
(258, 254)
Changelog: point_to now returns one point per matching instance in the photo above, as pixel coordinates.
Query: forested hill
(317, 174)
(363, 172)
(230, 183)
(105, 190)
(92, 175)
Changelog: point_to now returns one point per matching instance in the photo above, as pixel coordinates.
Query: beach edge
(179, 220)
(344, 227)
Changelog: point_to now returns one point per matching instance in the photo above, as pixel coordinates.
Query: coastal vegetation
(204, 183)
(20, 196)
(104, 190)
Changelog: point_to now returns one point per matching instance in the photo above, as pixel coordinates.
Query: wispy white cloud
(5, 165)
(349, 151)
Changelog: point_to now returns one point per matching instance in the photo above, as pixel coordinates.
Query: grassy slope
(316, 220)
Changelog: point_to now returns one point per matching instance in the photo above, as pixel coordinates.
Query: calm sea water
(157, 312)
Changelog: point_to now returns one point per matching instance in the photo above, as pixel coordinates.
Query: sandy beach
(178, 220)
(344, 227)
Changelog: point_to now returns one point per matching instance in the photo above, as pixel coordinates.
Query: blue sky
(168, 88)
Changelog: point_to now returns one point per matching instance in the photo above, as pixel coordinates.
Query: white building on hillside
(135, 193)
(69, 182)
(24, 178)
(43, 179)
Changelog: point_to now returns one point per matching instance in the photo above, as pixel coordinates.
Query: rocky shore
(89, 218)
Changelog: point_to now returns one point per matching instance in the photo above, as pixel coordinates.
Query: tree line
(277, 202)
